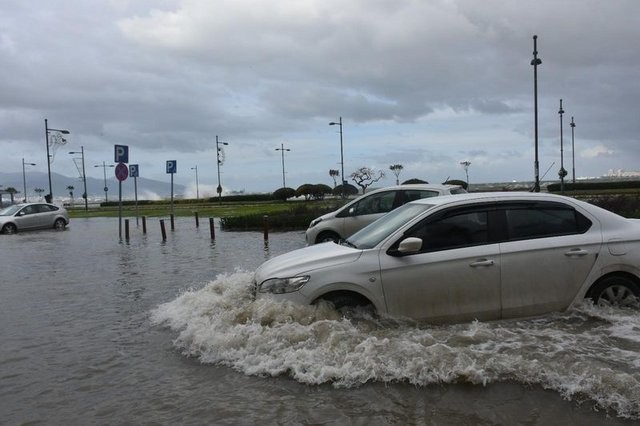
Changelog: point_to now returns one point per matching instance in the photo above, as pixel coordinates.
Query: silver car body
(360, 212)
(504, 277)
(30, 216)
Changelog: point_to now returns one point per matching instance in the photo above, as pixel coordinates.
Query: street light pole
(24, 178)
(535, 62)
(197, 186)
(84, 177)
(339, 123)
(46, 139)
(104, 170)
(573, 150)
(562, 172)
(218, 162)
(283, 149)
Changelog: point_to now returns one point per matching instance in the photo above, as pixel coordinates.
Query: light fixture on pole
(47, 129)
(283, 149)
(344, 182)
(84, 176)
(24, 178)
(573, 150)
(197, 186)
(104, 170)
(562, 172)
(219, 162)
(535, 62)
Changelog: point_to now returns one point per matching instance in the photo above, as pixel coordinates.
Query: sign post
(121, 174)
(172, 166)
(121, 156)
(134, 170)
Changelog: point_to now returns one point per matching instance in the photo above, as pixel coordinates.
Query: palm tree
(12, 192)
(334, 174)
(70, 188)
(39, 191)
(396, 169)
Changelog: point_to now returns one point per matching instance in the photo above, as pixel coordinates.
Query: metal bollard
(162, 230)
(144, 224)
(212, 229)
(173, 226)
(126, 230)
(265, 222)
(197, 220)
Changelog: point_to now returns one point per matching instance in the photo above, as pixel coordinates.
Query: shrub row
(591, 185)
(296, 218)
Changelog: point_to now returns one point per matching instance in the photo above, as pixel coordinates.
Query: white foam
(588, 354)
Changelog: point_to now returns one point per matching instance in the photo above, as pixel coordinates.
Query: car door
(550, 250)
(454, 277)
(27, 218)
(45, 215)
(367, 210)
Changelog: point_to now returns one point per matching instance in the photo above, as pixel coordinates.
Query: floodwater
(94, 331)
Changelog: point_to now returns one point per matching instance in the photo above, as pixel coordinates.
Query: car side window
(416, 194)
(376, 203)
(452, 231)
(541, 222)
(28, 210)
(45, 208)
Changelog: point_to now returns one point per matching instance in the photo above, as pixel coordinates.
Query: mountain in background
(148, 189)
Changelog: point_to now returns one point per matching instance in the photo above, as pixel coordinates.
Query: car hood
(306, 259)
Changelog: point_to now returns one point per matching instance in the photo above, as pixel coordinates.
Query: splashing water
(586, 354)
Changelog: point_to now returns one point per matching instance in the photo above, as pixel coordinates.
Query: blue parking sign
(133, 170)
(172, 166)
(121, 154)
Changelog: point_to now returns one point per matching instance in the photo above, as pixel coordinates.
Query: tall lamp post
(535, 62)
(84, 177)
(562, 172)
(104, 170)
(219, 162)
(197, 186)
(344, 182)
(47, 129)
(573, 150)
(283, 149)
(24, 178)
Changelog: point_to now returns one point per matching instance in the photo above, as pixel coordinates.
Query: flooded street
(95, 331)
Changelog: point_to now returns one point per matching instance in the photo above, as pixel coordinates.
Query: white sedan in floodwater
(482, 256)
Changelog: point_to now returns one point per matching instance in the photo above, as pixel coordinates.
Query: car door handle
(481, 262)
(576, 253)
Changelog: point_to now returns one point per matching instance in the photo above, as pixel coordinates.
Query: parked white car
(360, 212)
(29, 216)
(479, 256)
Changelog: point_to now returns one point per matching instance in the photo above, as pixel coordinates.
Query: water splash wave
(588, 354)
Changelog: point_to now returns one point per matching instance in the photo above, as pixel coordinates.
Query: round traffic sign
(122, 172)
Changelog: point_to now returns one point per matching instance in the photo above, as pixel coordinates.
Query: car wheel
(347, 301)
(615, 291)
(327, 236)
(59, 224)
(9, 228)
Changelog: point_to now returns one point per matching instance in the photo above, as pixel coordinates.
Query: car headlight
(283, 285)
(314, 222)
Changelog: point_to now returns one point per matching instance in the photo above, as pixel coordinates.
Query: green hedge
(227, 198)
(294, 219)
(595, 186)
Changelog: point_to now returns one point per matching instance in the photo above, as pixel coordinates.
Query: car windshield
(8, 211)
(370, 236)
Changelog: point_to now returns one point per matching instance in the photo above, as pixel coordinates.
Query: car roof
(424, 186)
(494, 196)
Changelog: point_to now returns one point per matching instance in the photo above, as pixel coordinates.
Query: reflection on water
(97, 331)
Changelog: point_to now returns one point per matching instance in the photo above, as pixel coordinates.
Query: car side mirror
(410, 245)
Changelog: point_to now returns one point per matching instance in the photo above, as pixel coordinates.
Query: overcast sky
(422, 83)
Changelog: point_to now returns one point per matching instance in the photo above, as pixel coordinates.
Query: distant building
(620, 173)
